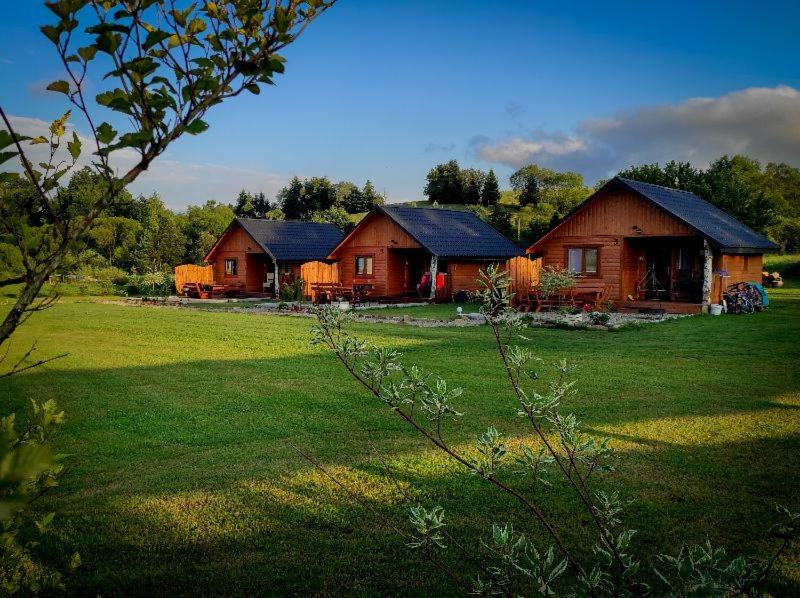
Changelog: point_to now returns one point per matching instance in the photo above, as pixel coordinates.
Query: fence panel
(192, 273)
(523, 273)
(317, 272)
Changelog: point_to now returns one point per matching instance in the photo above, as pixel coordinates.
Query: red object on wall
(439, 281)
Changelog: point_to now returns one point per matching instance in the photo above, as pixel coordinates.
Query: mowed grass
(182, 477)
(435, 311)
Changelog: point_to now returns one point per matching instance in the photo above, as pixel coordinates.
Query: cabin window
(284, 269)
(230, 267)
(363, 265)
(582, 260)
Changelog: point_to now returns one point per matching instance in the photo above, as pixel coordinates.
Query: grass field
(182, 478)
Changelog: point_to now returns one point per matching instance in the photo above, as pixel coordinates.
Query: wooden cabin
(654, 247)
(258, 256)
(393, 247)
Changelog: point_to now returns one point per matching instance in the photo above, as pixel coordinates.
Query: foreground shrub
(609, 563)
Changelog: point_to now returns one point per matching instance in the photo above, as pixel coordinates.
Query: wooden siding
(250, 260)
(464, 275)
(317, 272)
(192, 273)
(523, 274)
(606, 223)
(740, 268)
(375, 237)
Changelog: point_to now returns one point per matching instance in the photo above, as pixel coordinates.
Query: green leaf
(59, 86)
(6, 139)
(196, 26)
(59, 8)
(52, 33)
(38, 140)
(108, 41)
(74, 146)
(196, 127)
(155, 37)
(5, 156)
(87, 53)
(116, 100)
(253, 88)
(106, 133)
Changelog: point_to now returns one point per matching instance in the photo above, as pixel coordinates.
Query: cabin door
(415, 266)
(658, 279)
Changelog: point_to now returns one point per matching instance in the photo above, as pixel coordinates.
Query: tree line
(141, 234)
(765, 198)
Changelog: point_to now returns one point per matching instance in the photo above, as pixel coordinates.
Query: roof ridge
(431, 209)
(292, 220)
(660, 186)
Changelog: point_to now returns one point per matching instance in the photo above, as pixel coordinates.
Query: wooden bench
(595, 297)
(559, 298)
(325, 292)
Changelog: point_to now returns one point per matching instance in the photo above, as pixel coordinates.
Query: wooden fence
(317, 272)
(523, 273)
(191, 273)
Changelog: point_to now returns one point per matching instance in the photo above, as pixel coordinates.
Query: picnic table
(325, 292)
(203, 291)
(568, 297)
(200, 290)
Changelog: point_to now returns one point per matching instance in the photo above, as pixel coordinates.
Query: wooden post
(277, 284)
(434, 269)
(708, 274)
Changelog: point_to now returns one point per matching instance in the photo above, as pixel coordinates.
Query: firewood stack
(771, 280)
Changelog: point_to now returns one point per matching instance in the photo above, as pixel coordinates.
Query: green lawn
(182, 478)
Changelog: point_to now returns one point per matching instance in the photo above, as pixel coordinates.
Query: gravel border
(580, 321)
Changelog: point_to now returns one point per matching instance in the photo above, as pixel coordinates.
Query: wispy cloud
(178, 183)
(762, 122)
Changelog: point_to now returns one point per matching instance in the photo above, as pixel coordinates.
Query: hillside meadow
(182, 428)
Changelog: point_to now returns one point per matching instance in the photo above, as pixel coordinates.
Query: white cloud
(762, 122)
(518, 151)
(178, 183)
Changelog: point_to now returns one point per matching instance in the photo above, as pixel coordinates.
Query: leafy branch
(426, 402)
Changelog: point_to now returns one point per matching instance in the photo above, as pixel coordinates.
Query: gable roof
(720, 228)
(450, 233)
(290, 240)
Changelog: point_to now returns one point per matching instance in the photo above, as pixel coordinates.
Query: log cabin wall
(740, 268)
(374, 239)
(605, 223)
(250, 261)
(464, 275)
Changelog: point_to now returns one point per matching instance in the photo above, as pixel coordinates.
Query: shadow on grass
(296, 532)
(182, 480)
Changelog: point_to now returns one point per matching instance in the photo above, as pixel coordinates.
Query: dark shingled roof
(721, 229)
(452, 233)
(292, 240)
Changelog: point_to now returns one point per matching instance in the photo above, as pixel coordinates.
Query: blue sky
(386, 89)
